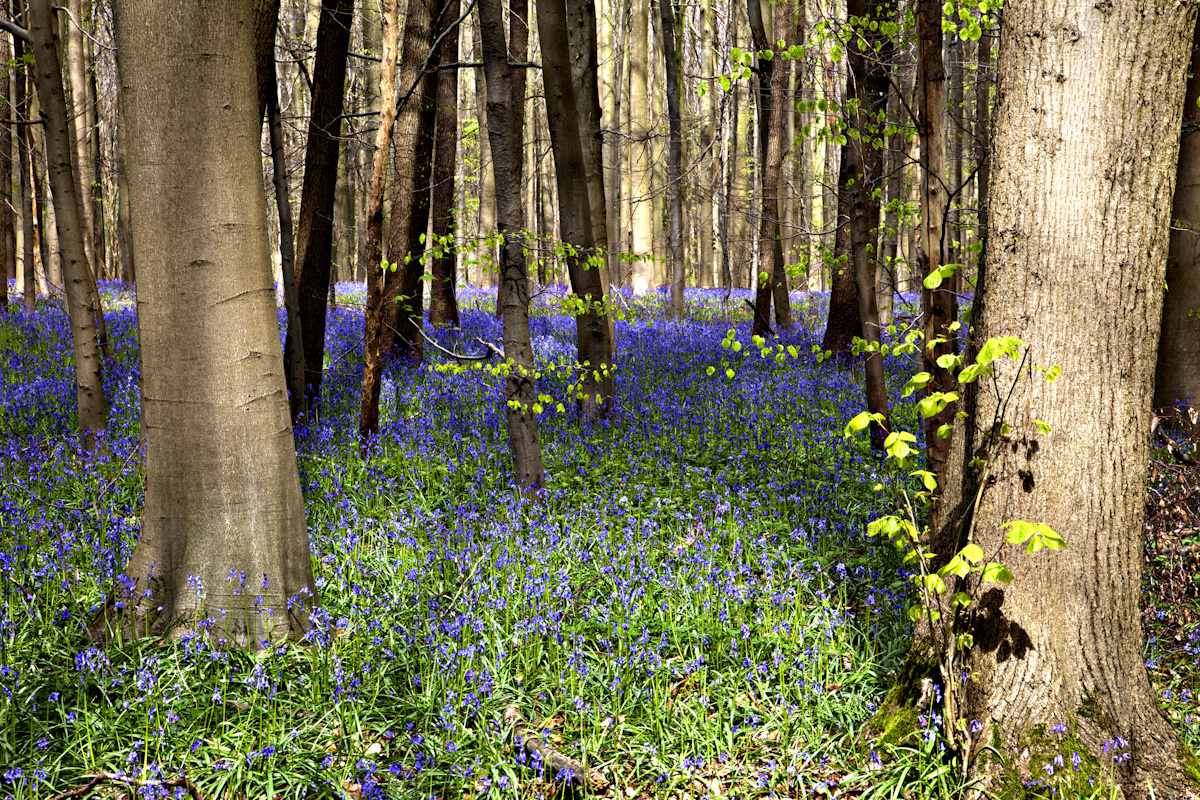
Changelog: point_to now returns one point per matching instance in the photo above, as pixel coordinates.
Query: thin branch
(14, 29)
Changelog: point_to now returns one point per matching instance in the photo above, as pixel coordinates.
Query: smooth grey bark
(25, 163)
(505, 114)
(223, 534)
(672, 55)
(372, 251)
(594, 387)
(443, 302)
(8, 237)
(78, 279)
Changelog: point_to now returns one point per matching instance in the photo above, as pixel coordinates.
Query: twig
(592, 779)
(101, 777)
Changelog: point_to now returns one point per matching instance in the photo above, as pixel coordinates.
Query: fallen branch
(593, 780)
(112, 777)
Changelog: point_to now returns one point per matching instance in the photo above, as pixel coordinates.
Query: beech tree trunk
(1085, 162)
(372, 250)
(78, 280)
(443, 304)
(1177, 376)
(28, 268)
(505, 115)
(402, 303)
(869, 86)
(8, 238)
(844, 321)
(223, 531)
(938, 306)
(672, 55)
(594, 345)
(314, 228)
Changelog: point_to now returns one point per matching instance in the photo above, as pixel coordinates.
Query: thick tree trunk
(314, 228)
(1085, 160)
(938, 306)
(372, 252)
(443, 304)
(505, 123)
(223, 532)
(672, 55)
(594, 345)
(1177, 377)
(983, 136)
(413, 145)
(78, 280)
(869, 86)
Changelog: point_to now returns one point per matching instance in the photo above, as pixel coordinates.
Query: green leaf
(725, 83)
(961, 600)
(972, 553)
(1019, 531)
(859, 422)
(914, 613)
(1053, 373)
(918, 381)
(933, 280)
(997, 573)
(949, 361)
(944, 431)
(1041, 426)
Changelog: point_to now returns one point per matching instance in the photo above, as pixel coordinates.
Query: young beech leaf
(997, 573)
(961, 600)
(918, 381)
(972, 553)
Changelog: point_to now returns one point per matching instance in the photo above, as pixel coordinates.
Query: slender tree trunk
(983, 135)
(845, 321)
(124, 244)
(21, 93)
(1080, 212)
(939, 306)
(709, 180)
(294, 355)
(595, 385)
(78, 116)
(868, 56)
(402, 303)
(506, 118)
(368, 421)
(672, 55)
(314, 229)
(443, 304)
(78, 281)
(95, 151)
(1177, 377)
(223, 533)
(640, 192)
(8, 237)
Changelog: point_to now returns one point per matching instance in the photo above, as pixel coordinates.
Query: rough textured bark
(413, 145)
(372, 252)
(443, 304)
(1085, 160)
(594, 345)
(223, 531)
(672, 55)
(868, 55)
(78, 280)
(505, 123)
(1177, 376)
(938, 306)
(314, 228)
(983, 135)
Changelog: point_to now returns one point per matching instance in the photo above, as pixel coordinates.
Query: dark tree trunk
(372, 250)
(8, 234)
(403, 303)
(938, 306)
(672, 54)
(78, 280)
(505, 123)
(25, 163)
(314, 229)
(771, 96)
(443, 304)
(869, 85)
(223, 535)
(1177, 377)
(294, 354)
(844, 321)
(595, 385)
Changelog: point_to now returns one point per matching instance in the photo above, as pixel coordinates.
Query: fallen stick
(592, 779)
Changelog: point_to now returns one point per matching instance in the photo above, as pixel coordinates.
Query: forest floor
(693, 610)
